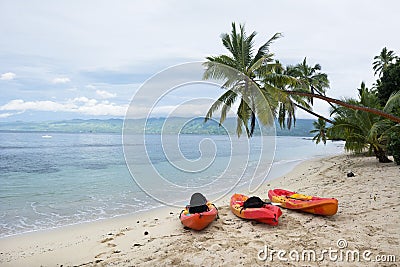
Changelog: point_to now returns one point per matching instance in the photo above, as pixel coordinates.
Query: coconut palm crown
(255, 68)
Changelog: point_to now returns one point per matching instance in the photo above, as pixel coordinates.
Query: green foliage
(383, 60)
(320, 130)
(311, 79)
(257, 82)
(394, 145)
(363, 130)
(389, 83)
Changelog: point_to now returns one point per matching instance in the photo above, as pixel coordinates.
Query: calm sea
(62, 179)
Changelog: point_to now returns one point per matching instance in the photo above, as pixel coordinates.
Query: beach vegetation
(362, 130)
(283, 89)
(394, 145)
(367, 123)
(383, 60)
(389, 83)
(320, 130)
(257, 67)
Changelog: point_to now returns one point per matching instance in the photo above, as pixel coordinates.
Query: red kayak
(268, 214)
(310, 204)
(199, 214)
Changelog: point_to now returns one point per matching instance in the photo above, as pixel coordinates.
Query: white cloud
(84, 99)
(5, 115)
(81, 105)
(7, 76)
(8, 114)
(61, 80)
(91, 86)
(103, 108)
(104, 94)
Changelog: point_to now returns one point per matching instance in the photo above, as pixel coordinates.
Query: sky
(86, 59)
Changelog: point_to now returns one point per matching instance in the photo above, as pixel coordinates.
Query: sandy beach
(367, 222)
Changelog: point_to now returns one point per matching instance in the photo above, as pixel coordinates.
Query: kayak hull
(310, 204)
(268, 214)
(198, 221)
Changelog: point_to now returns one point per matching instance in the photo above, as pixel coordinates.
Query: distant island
(153, 126)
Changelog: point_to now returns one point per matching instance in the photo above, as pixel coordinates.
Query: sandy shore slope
(368, 220)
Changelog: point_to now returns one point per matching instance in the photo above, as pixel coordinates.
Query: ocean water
(73, 178)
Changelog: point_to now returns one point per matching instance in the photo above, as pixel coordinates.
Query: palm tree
(320, 129)
(255, 81)
(363, 130)
(349, 105)
(311, 79)
(242, 72)
(384, 59)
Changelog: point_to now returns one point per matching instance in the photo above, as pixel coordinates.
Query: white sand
(368, 219)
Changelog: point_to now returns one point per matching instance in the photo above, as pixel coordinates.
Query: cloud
(84, 99)
(7, 76)
(91, 86)
(104, 94)
(8, 114)
(5, 115)
(61, 80)
(81, 105)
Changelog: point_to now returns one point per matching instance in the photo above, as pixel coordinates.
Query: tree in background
(383, 60)
(311, 78)
(320, 130)
(363, 130)
(389, 83)
(393, 105)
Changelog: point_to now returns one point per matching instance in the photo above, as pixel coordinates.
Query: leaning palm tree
(320, 130)
(311, 79)
(383, 60)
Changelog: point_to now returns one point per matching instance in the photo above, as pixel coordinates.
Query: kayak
(268, 214)
(310, 204)
(198, 221)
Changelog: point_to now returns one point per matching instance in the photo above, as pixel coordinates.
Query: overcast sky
(86, 59)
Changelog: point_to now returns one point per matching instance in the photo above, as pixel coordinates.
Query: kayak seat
(198, 204)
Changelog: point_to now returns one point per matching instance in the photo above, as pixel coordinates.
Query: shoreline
(274, 172)
(122, 240)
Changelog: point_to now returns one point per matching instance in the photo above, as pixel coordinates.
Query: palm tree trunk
(381, 155)
(313, 113)
(333, 106)
(347, 105)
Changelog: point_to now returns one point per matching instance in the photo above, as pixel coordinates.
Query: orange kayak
(310, 204)
(268, 214)
(198, 221)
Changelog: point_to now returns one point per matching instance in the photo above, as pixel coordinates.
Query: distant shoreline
(153, 126)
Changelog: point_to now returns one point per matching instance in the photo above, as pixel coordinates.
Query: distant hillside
(153, 126)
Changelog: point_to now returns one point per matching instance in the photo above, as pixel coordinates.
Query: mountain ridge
(153, 126)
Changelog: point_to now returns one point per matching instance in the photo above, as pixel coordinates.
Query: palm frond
(264, 49)
(393, 102)
(227, 105)
(218, 69)
(225, 99)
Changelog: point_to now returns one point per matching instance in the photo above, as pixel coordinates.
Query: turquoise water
(47, 182)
